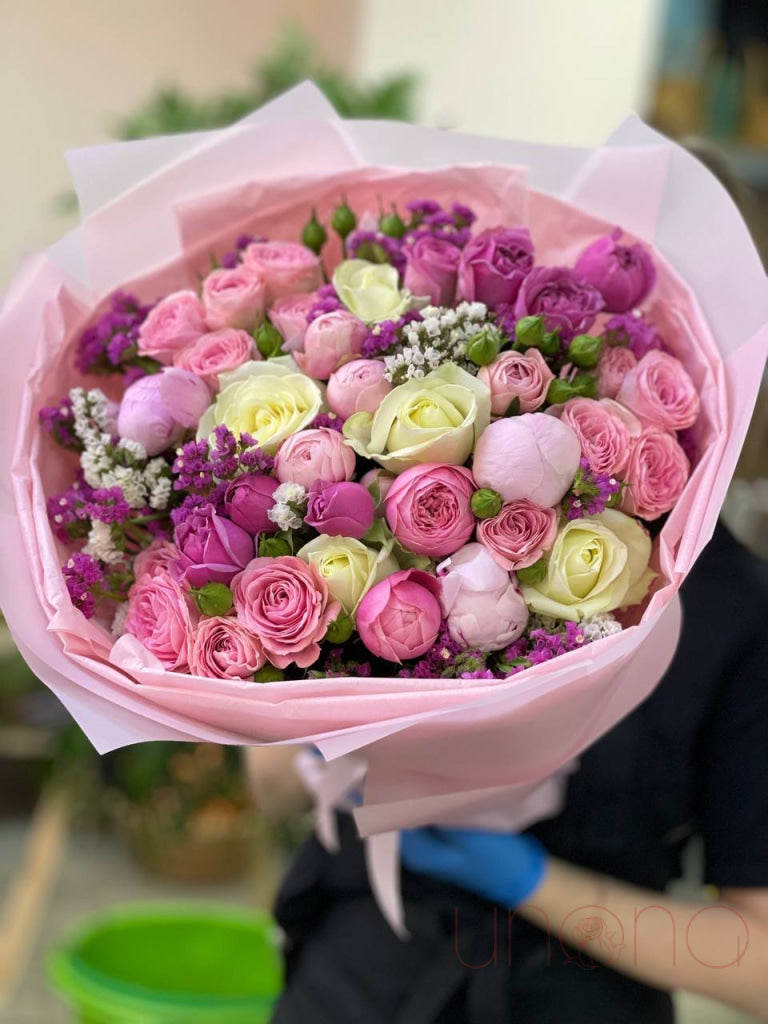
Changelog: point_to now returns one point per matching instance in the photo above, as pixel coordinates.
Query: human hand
(502, 867)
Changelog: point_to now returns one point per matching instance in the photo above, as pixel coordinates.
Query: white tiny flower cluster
(441, 336)
(290, 500)
(100, 544)
(597, 627)
(118, 622)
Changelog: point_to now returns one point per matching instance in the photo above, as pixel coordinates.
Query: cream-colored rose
(435, 419)
(596, 564)
(348, 567)
(371, 290)
(269, 400)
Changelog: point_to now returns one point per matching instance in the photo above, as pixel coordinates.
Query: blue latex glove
(504, 868)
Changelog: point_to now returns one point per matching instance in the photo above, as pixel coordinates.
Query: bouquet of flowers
(408, 463)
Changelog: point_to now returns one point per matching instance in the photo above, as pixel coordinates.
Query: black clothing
(692, 759)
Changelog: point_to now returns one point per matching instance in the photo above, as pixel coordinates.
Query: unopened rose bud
(213, 599)
(584, 351)
(585, 385)
(550, 343)
(559, 391)
(314, 235)
(269, 341)
(392, 224)
(340, 630)
(486, 503)
(532, 574)
(483, 347)
(529, 331)
(343, 220)
(268, 674)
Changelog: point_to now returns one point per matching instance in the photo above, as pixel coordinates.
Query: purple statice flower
(328, 419)
(326, 301)
(439, 219)
(635, 332)
(194, 502)
(252, 457)
(82, 575)
(506, 318)
(223, 454)
(446, 659)
(591, 493)
(58, 421)
(106, 505)
(419, 208)
(232, 258)
(336, 663)
(463, 216)
(112, 340)
(376, 247)
(64, 511)
(385, 335)
(192, 467)
(199, 466)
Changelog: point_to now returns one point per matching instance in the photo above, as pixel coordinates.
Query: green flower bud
(373, 252)
(585, 351)
(529, 330)
(559, 391)
(340, 630)
(213, 599)
(268, 674)
(269, 341)
(314, 235)
(550, 343)
(392, 224)
(533, 573)
(585, 385)
(343, 220)
(273, 547)
(486, 503)
(483, 347)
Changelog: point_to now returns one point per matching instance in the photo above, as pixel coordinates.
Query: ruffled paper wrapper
(488, 753)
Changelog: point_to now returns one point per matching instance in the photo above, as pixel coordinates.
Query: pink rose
(331, 340)
(523, 375)
(155, 560)
(432, 269)
(519, 535)
(532, 456)
(428, 508)
(286, 268)
(162, 616)
(339, 509)
(212, 547)
(604, 430)
(483, 608)
(659, 392)
(358, 386)
(399, 618)
(175, 322)
(233, 298)
(378, 482)
(286, 604)
(315, 454)
(248, 499)
(658, 471)
(216, 353)
(615, 363)
(157, 410)
(494, 265)
(623, 274)
(223, 649)
(289, 316)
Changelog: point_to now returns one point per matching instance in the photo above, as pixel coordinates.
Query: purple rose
(213, 548)
(247, 501)
(494, 265)
(562, 297)
(340, 509)
(623, 274)
(635, 332)
(432, 269)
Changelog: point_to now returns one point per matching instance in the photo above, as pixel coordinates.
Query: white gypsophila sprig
(441, 336)
(290, 504)
(100, 544)
(597, 627)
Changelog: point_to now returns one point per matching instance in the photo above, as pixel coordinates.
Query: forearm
(664, 942)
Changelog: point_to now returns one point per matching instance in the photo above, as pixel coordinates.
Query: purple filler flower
(82, 574)
(635, 332)
(562, 297)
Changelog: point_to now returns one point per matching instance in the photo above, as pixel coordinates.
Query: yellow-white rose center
(583, 562)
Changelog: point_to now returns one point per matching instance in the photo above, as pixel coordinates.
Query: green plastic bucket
(171, 964)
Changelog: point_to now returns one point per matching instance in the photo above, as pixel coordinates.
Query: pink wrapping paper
(440, 750)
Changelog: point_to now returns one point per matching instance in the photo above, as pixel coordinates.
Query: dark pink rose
(175, 322)
(657, 472)
(519, 535)
(286, 604)
(359, 386)
(233, 298)
(659, 392)
(623, 274)
(399, 618)
(215, 353)
(564, 300)
(428, 508)
(248, 499)
(604, 430)
(432, 269)
(162, 616)
(212, 547)
(523, 375)
(331, 340)
(289, 316)
(224, 649)
(157, 410)
(285, 267)
(339, 509)
(315, 454)
(494, 265)
(615, 363)
(155, 560)
(634, 331)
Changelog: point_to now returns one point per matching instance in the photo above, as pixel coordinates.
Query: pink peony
(519, 535)
(399, 618)
(315, 454)
(428, 508)
(331, 340)
(659, 392)
(604, 430)
(532, 456)
(358, 386)
(155, 560)
(157, 410)
(215, 353)
(286, 604)
(494, 265)
(658, 471)
(233, 298)
(176, 321)
(212, 547)
(432, 269)
(248, 499)
(223, 649)
(286, 268)
(483, 608)
(289, 316)
(615, 363)
(162, 616)
(523, 375)
(340, 509)
(623, 274)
